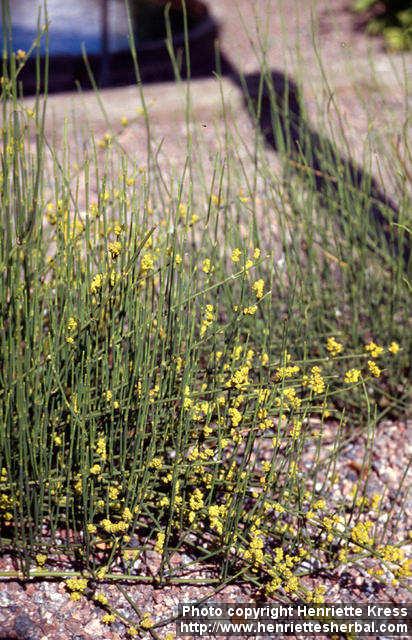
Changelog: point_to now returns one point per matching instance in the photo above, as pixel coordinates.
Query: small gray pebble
(38, 598)
(22, 625)
(56, 597)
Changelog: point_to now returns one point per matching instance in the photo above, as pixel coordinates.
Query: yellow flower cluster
(6, 502)
(242, 197)
(374, 349)
(95, 469)
(106, 141)
(72, 324)
(216, 513)
(334, 347)
(390, 553)
(263, 395)
(208, 318)
(374, 369)
(196, 500)
(147, 262)
(195, 454)
(156, 463)
(264, 359)
(394, 348)
(255, 553)
(250, 311)
(187, 400)
(290, 399)
(101, 599)
(235, 416)
(317, 595)
(360, 533)
(207, 266)
(96, 283)
(288, 371)
(146, 622)
(21, 55)
(240, 378)
(258, 288)
(405, 569)
(41, 559)
(315, 380)
(114, 249)
(132, 632)
(78, 585)
(160, 542)
(296, 429)
(114, 527)
(101, 447)
(282, 572)
(113, 492)
(352, 376)
(331, 524)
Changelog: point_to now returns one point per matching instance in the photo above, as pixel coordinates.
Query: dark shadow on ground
(285, 127)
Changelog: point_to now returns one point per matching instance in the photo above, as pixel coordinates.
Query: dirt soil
(35, 610)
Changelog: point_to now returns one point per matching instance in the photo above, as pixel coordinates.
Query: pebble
(309, 565)
(47, 606)
(46, 615)
(23, 624)
(54, 596)
(369, 590)
(94, 627)
(38, 598)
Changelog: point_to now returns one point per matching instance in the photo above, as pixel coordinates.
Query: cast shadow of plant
(342, 186)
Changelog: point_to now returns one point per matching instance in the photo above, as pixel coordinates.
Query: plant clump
(392, 19)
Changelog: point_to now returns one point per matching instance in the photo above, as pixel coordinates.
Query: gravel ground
(35, 610)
